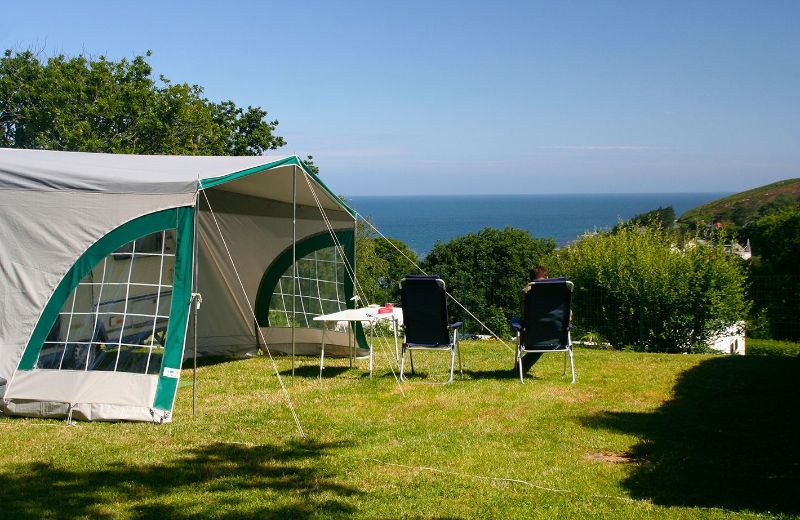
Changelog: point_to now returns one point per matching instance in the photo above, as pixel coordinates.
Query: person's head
(539, 273)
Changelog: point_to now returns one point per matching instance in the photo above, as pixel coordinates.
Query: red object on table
(386, 309)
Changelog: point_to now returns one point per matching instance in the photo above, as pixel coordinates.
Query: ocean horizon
(422, 220)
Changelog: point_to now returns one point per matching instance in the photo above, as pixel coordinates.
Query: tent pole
(294, 259)
(354, 347)
(195, 305)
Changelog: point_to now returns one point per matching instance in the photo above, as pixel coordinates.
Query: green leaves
(486, 271)
(380, 265)
(640, 287)
(99, 105)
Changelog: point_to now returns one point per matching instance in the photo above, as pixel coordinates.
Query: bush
(769, 347)
(637, 287)
(486, 271)
(775, 277)
(379, 266)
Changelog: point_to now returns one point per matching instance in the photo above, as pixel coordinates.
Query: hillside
(744, 207)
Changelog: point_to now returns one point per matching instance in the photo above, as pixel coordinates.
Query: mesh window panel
(116, 318)
(320, 290)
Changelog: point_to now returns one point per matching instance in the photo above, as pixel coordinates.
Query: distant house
(730, 340)
(742, 250)
(733, 248)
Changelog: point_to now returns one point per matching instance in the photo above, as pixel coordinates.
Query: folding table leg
(371, 343)
(396, 347)
(322, 356)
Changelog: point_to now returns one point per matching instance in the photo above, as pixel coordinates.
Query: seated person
(530, 358)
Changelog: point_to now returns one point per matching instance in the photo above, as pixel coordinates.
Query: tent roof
(44, 170)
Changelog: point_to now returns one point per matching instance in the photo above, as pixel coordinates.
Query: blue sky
(479, 97)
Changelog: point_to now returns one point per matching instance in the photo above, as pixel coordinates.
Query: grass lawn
(639, 435)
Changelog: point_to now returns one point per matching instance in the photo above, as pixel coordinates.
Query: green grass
(639, 435)
(771, 347)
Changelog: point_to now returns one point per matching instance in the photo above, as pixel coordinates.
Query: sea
(421, 221)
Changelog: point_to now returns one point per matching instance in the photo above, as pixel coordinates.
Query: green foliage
(379, 265)
(776, 239)
(775, 277)
(99, 105)
(663, 218)
(487, 270)
(768, 347)
(309, 162)
(636, 287)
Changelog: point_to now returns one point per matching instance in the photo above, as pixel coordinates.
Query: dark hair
(538, 273)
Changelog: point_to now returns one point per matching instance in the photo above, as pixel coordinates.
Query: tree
(486, 272)
(775, 276)
(379, 265)
(663, 218)
(637, 287)
(99, 105)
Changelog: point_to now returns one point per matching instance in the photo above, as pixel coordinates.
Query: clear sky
(478, 97)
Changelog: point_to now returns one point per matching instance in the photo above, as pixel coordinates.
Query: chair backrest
(547, 305)
(424, 303)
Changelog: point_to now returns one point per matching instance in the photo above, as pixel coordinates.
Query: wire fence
(776, 307)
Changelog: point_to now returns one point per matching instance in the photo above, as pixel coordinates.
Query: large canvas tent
(101, 254)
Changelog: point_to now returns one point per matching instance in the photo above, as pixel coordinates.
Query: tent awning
(43, 170)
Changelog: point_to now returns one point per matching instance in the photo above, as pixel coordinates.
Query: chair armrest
(456, 325)
(516, 323)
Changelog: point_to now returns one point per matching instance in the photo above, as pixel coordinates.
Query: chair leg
(519, 365)
(564, 372)
(572, 364)
(460, 368)
(452, 364)
(402, 363)
(411, 358)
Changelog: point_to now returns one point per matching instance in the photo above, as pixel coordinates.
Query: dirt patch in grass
(609, 458)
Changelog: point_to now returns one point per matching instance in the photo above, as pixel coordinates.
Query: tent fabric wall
(152, 395)
(55, 206)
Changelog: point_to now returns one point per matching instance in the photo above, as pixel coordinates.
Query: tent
(102, 257)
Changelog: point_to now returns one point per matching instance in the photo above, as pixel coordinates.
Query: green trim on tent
(293, 160)
(222, 179)
(179, 311)
(269, 281)
(116, 238)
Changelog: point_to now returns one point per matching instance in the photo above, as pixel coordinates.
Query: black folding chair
(544, 326)
(424, 303)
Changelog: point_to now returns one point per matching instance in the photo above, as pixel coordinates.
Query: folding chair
(424, 303)
(544, 326)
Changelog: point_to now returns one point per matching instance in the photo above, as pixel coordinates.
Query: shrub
(769, 347)
(379, 266)
(487, 270)
(637, 287)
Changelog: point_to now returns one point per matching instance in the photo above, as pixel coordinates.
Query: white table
(362, 314)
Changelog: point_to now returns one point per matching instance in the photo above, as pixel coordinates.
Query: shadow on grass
(728, 438)
(312, 371)
(210, 361)
(496, 374)
(219, 480)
